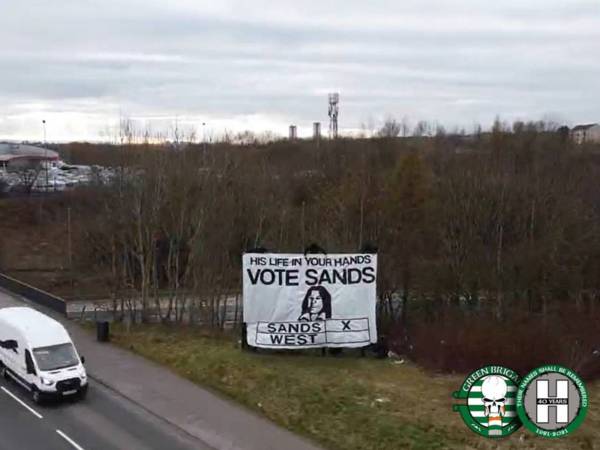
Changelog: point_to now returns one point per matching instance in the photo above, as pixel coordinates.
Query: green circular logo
(552, 401)
(489, 401)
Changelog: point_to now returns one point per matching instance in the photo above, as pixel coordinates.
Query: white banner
(298, 301)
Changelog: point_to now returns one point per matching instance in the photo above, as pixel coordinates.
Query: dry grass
(341, 402)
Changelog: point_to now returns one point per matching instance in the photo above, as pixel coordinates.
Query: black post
(102, 331)
(369, 247)
(314, 248)
(244, 337)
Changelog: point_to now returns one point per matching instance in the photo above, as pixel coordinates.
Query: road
(104, 420)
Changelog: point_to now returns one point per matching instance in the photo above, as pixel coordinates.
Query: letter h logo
(560, 401)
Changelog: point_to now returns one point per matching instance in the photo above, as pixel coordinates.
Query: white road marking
(69, 440)
(31, 410)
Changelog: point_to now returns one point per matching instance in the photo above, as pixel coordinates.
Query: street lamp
(45, 152)
(204, 142)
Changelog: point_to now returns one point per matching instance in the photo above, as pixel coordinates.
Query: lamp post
(45, 152)
(204, 143)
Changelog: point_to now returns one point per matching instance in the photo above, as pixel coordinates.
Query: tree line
(491, 220)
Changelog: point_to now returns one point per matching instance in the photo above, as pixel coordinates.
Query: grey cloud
(456, 62)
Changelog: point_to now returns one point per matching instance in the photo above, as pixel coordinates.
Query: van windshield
(55, 356)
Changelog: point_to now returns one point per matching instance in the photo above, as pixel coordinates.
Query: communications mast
(334, 100)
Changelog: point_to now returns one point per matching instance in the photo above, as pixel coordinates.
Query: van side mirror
(82, 358)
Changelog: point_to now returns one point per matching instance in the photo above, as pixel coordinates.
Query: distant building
(10, 152)
(317, 131)
(586, 133)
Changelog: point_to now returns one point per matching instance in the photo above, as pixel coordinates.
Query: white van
(37, 352)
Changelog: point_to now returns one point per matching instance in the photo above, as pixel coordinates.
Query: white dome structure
(11, 152)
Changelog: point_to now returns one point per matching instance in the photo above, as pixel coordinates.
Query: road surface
(104, 421)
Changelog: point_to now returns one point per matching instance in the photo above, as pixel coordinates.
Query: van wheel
(36, 396)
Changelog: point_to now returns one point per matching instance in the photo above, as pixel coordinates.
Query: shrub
(459, 341)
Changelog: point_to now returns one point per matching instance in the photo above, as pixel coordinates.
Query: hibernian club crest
(488, 406)
(552, 401)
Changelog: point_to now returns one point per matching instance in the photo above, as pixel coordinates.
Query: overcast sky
(262, 65)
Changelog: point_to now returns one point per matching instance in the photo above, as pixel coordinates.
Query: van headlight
(46, 381)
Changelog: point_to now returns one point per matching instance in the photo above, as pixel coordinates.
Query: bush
(459, 341)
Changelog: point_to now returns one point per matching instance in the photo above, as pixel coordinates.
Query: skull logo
(494, 390)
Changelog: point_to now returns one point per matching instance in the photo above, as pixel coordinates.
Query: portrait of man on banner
(316, 305)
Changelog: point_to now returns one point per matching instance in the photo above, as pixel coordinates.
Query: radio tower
(334, 99)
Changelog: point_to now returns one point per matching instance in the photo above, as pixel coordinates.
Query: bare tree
(27, 172)
(391, 128)
(422, 129)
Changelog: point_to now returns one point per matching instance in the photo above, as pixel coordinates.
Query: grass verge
(343, 403)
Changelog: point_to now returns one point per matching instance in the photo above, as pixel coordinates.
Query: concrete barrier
(103, 310)
(33, 294)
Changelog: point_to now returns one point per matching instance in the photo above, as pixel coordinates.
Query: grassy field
(340, 402)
